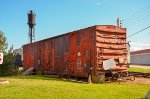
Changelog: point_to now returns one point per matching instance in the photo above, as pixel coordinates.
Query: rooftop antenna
(31, 23)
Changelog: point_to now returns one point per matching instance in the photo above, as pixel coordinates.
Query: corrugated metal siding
(69, 53)
(141, 59)
(81, 42)
(28, 58)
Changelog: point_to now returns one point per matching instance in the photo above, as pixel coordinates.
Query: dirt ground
(139, 80)
(140, 66)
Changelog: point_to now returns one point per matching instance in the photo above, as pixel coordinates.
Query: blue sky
(54, 17)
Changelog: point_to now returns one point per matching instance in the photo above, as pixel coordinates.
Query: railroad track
(138, 74)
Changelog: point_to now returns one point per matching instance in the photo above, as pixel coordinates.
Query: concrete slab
(140, 66)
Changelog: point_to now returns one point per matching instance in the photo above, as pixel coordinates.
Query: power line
(134, 15)
(135, 21)
(145, 13)
(138, 32)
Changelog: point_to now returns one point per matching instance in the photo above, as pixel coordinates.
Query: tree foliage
(3, 43)
(7, 67)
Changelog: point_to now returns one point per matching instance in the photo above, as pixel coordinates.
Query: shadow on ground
(43, 77)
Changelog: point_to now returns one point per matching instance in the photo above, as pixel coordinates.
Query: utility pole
(128, 53)
(118, 22)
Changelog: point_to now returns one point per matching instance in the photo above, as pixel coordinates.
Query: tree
(3, 43)
(7, 68)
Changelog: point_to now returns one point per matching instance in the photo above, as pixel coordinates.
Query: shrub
(7, 68)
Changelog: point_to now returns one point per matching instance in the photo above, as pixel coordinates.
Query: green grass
(134, 69)
(38, 87)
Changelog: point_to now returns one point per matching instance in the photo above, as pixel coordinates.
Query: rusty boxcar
(78, 53)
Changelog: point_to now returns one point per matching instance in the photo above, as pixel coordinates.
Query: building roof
(140, 52)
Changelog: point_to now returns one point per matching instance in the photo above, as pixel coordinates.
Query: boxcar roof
(99, 27)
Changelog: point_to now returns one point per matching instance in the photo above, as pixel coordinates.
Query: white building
(141, 57)
(18, 51)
